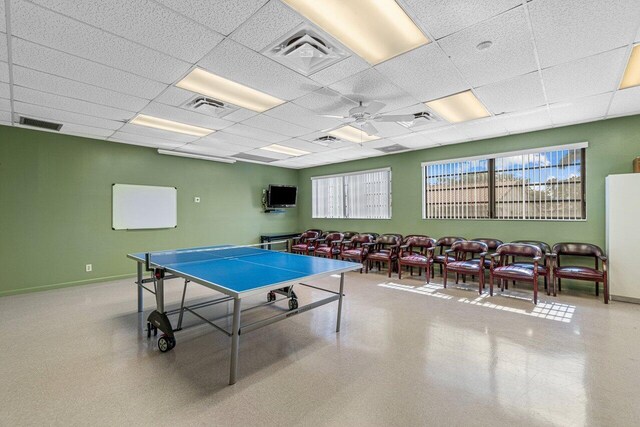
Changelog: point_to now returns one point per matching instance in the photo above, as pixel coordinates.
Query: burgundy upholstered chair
(374, 235)
(417, 251)
(442, 244)
(385, 250)
(329, 245)
(597, 274)
(305, 243)
(503, 270)
(356, 249)
(545, 268)
(464, 251)
(492, 245)
(349, 234)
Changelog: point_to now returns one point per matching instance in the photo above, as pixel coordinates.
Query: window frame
(491, 159)
(345, 193)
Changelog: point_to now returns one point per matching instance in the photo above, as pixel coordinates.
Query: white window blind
(365, 194)
(534, 184)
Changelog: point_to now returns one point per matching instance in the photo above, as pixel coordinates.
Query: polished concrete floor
(408, 354)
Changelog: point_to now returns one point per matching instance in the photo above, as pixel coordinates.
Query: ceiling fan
(363, 115)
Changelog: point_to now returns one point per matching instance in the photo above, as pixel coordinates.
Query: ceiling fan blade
(375, 106)
(395, 118)
(333, 117)
(369, 129)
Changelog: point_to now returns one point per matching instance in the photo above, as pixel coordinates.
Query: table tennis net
(178, 256)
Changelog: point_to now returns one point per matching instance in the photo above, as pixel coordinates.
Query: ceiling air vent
(422, 119)
(254, 158)
(39, 123)
(326, 140)
(209, 106)
(305, 49)
(392, 148)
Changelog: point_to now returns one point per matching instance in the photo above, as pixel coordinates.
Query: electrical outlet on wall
(88, 268)
(196, 199)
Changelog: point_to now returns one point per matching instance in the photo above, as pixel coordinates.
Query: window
(534, 184)
(365, 195)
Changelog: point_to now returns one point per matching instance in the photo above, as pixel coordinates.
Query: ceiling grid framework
(93, 67)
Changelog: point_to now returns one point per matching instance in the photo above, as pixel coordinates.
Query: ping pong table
(236, 272)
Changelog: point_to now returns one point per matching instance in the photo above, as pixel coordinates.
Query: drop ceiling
(94, 66)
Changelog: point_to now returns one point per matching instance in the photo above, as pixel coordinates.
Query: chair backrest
(349, 234)
(316, 230)
(359, 239)
(309, 234)
(374, 235)
(519, 250)
(544, 247)
(469, 246)
(420, 242)
(492, 244)
(446, 242)
(389, 240)
(577, 249)
(333, 237)
(406, 238)
(326, 233)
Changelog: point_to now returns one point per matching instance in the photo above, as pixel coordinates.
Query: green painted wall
(55, 206)
(612, 146)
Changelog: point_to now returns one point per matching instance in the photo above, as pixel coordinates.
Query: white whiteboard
(137, 207)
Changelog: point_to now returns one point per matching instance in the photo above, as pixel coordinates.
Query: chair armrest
(321, 240)
(295, 239)
(448, 251)
(312, 239)
(369, 244)
(494, 255)
(536, 259)
(483, 254)
(404, 246)
(603, 258)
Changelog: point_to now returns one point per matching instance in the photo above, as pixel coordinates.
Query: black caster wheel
(148, 330)
(166, 343)
(293, 304)
(271, 296)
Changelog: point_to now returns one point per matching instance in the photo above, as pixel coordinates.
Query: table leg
(235, 341)
(340, 302)
(160, 295)
(140, 290)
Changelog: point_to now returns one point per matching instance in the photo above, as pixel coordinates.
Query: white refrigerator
(623, 236)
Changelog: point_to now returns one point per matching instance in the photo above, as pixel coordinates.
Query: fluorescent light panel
(349, 133)
(632, 73)
(170, 125)
(195, 156)
(376, 30)
(206, 83)
(284, 150)
(460, 107)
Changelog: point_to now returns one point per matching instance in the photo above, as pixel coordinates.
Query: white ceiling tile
(64, 103)
(5, 104)
(168, 112)
(3, 26)
(295, 114)
(208, 146)
(5, 117)
(292, 163)
(426, 73)
(4, 72)
(269, 154)
(326, 101)
(60, 86)
(71, 67)
(80, 130)
(4, 90)
(340, 70)
(484, 128)
(233, 61)
(519, 93)
(144, 141)
(370, 85)
(526, 120)
(230, 139)
(356, 152)
(262, 121)
(50, 29)
(414, 140)
(442, 18)
(54, 115)
(223, 16)
(265, 26)
(3, 47)
(625, 102)
(570, 29)
(584, 77)
(581, 110)
(249, 132)
(510, 55)
(239, 115)
(175, 96)
(164, 30)
(445, 135)
(157, 133)
(304, 145)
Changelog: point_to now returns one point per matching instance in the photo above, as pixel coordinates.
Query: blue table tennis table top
(243, 269)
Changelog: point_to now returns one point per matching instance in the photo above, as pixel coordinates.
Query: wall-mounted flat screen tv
(282, 196)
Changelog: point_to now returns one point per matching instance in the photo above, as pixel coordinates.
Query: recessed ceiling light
(484, 45)
(170, 125)
(352, 134)
(284, 150)
(632, 73)
(458, 108)
(375, 30)
(206, 83)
